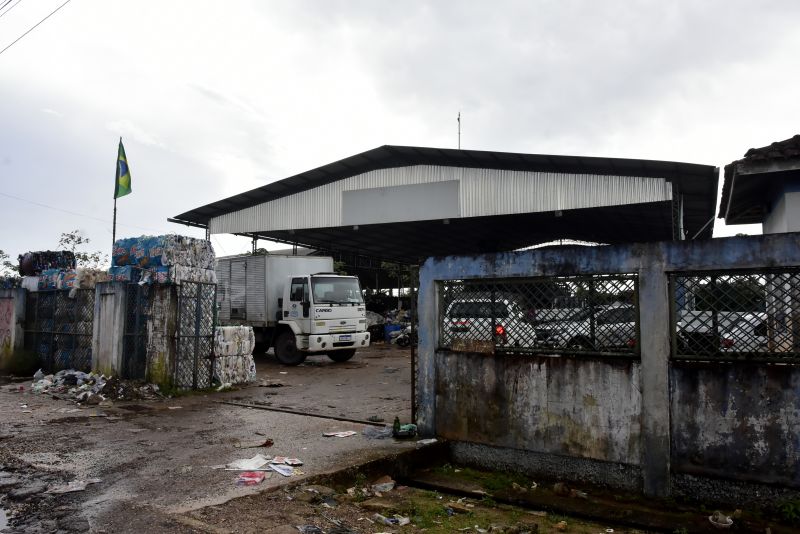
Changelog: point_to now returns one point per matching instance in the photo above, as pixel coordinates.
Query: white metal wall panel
(256, 290)
(482, 192)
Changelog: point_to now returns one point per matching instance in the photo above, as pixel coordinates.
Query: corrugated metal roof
(696, 182)
(482, 192)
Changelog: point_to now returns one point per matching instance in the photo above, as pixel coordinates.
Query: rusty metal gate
(58, 328)
(137, 312)
(194, 363)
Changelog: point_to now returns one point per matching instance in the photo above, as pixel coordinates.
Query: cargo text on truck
(295, 304)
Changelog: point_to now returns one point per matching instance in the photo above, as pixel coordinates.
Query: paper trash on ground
(259, 462)
(285, 470)
(75, 485)
(343, 434)
(286, 460)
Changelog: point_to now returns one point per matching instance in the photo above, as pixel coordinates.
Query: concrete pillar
(12, 324)
(426, 364)
(654, 325)
(110, 304)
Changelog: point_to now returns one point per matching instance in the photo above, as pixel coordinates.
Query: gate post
(109, 328)
(654, 324)
(12, 321)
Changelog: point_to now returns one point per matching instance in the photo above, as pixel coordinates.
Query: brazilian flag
(122, 184)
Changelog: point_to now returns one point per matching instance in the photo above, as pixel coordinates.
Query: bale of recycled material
(234, 341)
(31, 283)
(163, 251)
(34, 263)
(234, 369)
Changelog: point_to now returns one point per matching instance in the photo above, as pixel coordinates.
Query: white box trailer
(295, 304)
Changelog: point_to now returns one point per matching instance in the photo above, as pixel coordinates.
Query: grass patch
(489, 480)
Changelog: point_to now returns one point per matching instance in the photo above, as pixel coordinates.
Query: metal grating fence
(194, 363)
(595, 315)
(58, 328)
(729, 315)
(137, 313)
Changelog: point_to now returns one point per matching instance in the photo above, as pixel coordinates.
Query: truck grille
(339, 329)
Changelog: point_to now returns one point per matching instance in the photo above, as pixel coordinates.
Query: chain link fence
(58, 328)
(736, 315)
(195, 348)
(595, 315)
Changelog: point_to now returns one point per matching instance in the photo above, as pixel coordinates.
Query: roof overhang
(408, 241)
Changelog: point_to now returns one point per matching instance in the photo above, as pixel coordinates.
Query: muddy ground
(153, 457)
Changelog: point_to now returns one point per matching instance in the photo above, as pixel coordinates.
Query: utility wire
(5, 3)
(73, 212)
(34, 26)
(10, 8)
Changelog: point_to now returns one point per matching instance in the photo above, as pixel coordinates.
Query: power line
(10, 8)
(5, 3)
(34, 26)
(73, 212)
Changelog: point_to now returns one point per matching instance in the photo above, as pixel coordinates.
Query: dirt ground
(153, 458)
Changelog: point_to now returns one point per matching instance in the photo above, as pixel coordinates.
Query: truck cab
(322, 313)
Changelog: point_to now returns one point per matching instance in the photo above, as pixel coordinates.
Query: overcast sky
(214, 98)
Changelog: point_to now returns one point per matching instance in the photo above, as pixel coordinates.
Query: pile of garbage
(91, 388)
(233, 347)
(166, 259)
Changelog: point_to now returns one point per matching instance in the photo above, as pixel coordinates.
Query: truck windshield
(335, 290)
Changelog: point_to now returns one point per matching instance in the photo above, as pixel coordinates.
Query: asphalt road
(153, 457)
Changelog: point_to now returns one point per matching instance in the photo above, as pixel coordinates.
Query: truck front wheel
(341, 355)
(286, 349)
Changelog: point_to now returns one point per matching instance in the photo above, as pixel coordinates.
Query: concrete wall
(12, 322)
(161, 332)
(737, 420)
(606, 416)
(785, 214)
(582, 408)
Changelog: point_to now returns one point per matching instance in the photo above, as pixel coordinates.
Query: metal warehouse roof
(645, 210)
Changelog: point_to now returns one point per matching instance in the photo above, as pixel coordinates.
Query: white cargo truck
(295, 304)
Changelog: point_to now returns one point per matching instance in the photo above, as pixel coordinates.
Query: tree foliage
(75, 242)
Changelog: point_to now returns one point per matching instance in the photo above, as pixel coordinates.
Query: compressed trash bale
(234, 369)
(33, 263)
(233, 349)
(163, 251)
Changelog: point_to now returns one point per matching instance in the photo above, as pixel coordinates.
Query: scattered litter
(284, 373)
(720, 520)
(174, 407)
(561, 526)
(405, 431)
(579, 494)
(254, 444)
(343, 434)
(609, 531)
(383, 484)
(373, 432)
(287, 461)
(561, 489)
(258, 462)
(271, 384)
(534, 485)
(91, 388)
(397, 520)
(23, 405)
(284, 470)
(75, 485)
(310, 529)
(428, 441)
(251, 478)
(375, 419)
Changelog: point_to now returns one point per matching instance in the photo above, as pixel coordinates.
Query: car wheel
(286, 349)
(580, 343)
(341, 355)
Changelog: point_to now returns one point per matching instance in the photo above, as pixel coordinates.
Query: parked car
(501, 321)
(748, 334)
(614, 328)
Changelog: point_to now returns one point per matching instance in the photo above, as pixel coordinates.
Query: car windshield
(476, 309)
(336, 290)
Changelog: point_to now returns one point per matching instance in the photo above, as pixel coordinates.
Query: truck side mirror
(306, 308)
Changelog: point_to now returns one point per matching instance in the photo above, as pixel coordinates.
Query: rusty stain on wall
(737, 420)
(587, 408)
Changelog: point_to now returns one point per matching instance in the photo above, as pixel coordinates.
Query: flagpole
(114, 228)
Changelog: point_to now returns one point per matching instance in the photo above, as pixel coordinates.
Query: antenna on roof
(459, 130)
